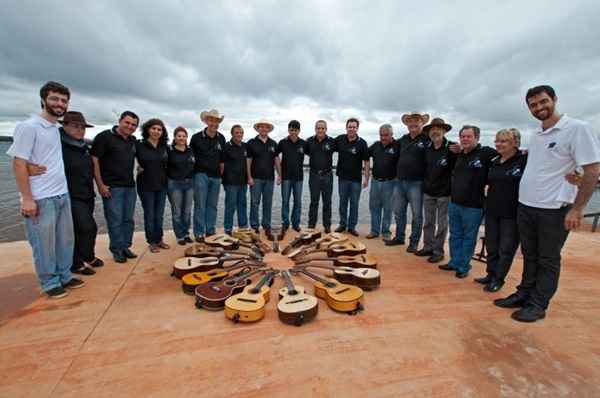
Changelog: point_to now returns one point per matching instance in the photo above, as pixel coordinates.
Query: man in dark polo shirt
(353, 158)
(207, 146)
(385, 157)
(235, 179)
(262, 163)
(465, 210)
(320, 149)
(410, 173)
(291, 149)
(439, 159)
(113, 154)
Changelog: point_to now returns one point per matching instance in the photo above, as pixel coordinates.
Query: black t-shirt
(351, 156)
(263, 155)
(153, 161)
(180, 165)
(469, 176)
(385, 158)
(503, 186)
(79, 168)
(116, 156)
(292, 159)
(207, 153)
(411, 158)
(320, 153)
(234, 164)
(438, 169)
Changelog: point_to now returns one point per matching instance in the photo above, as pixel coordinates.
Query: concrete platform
(132, 332)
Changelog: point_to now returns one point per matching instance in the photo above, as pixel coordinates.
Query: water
(11, 226)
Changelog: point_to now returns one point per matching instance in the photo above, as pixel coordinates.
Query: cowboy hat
(213, 113)
(424, 117)
(265, 122)
(74, 117)
(437, 122)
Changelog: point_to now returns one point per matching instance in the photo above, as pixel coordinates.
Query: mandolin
(306, 237)
(295, 307)
(212, 295)
(186, 265)
(358, 261)
(338, 296)
(365, 278)
(202, 250)
(349, 248)
(249, 305)
(190, 281)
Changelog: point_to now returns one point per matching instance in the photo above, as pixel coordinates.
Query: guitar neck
(316, 277)
(288, 282)
(265, 280)
(245, 275)
(233, 258)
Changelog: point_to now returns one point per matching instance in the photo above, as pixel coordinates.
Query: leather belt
(321, 172)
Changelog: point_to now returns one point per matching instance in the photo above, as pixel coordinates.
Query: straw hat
(213, 113)
(424, 117)
(265, 122)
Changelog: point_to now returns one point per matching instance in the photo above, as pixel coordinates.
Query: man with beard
(45, 202)
(549, 207)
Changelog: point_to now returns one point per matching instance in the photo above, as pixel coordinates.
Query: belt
(384, 179)
(321, 172)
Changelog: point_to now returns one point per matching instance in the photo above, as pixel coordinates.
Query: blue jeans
(264, 189)
(464, 225)
(287, 188)
(50, 235)
(349, 191)
(409, 193)
(153, 203)
(118, 211)
(206, 198)
(235, 201)
(380, 201)
(181, 194)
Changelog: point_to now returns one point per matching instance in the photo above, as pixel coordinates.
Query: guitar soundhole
(297, 301)
(364, 272)
(342, 291)
(247, 300)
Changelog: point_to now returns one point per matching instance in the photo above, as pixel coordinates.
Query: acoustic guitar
(320, 243)
(186, 265)
(190, 281)
(365, 278)
(229, 243)
(358, 261)
(249, 305)
(212, 295)
(247, 235)
(338, 296)
(295, 307)
(349, 248)
(306, 237)
(202, 250)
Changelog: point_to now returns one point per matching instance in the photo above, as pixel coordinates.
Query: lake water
(11, 225)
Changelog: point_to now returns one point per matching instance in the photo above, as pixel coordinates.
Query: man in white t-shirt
(45, 203)
(549, 206)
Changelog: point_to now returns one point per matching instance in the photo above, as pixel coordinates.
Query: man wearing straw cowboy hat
(410, 173)
(262, 156)
(207, 145)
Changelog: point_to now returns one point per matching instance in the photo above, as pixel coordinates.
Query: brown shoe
(163, 245)
(154, 248)
(372, 235)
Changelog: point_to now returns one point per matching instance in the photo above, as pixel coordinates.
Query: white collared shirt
(36, 140)
(552, 154)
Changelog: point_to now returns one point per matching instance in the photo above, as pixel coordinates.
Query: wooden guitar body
(223, 241)
(358, 261)
(365, 278)
(339, 296)
(249, 305)
(192, 280)
(212, 295)
(296, 307)
(186, 265)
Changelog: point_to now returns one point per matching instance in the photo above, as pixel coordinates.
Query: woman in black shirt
(180, 168)
(151, 154)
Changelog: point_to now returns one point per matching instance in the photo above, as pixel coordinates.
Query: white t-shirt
(552, 154)
(38, 141)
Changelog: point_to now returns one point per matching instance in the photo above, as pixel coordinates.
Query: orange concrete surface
(132, 332)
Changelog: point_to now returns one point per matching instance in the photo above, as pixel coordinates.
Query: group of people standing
(531, 198)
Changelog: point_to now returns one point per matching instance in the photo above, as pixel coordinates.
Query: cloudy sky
(467, 61)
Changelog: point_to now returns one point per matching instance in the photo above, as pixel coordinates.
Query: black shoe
(296, 228)
(353, 232)
(74, 283)
(484, 280)
(96, 263)
(256, 230)
(436, 258)
(327, 230)
(512, 301)
(188, 239)
(57, 292)
(529, 313)
(411, 249)
(199, 239)
(119, 258)
(83, 270)
(394, 242)
(446, 267)
(129, 254)
(424, 253)
(493, 286)
(181, 242)
(340, 228)
(461, 275)
(269, 234)
(230, 233)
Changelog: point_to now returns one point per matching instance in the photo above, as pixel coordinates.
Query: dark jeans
(235, 201)
(118, 211)
(543, 235)
(289, 187)
(153, 203)
(181, 194)
(501, 242)
(380, 201)
(435, 227)
(320, 185)
(206, 200)
(85, 231)
(464, 225)
(409, 193)
(261, 190)
(349, 191)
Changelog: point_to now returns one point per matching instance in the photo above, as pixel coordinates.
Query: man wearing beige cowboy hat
(410, 172)
(207, 145)
(262, 163)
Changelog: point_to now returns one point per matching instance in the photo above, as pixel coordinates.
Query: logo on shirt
(300, 149)
(420, 144)
(218, 147)
(245, 154)
(515, 172)
(272, 149)
(476, 163)
(391, 151)
(353, 150)
(442, 162)
(327, 147)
